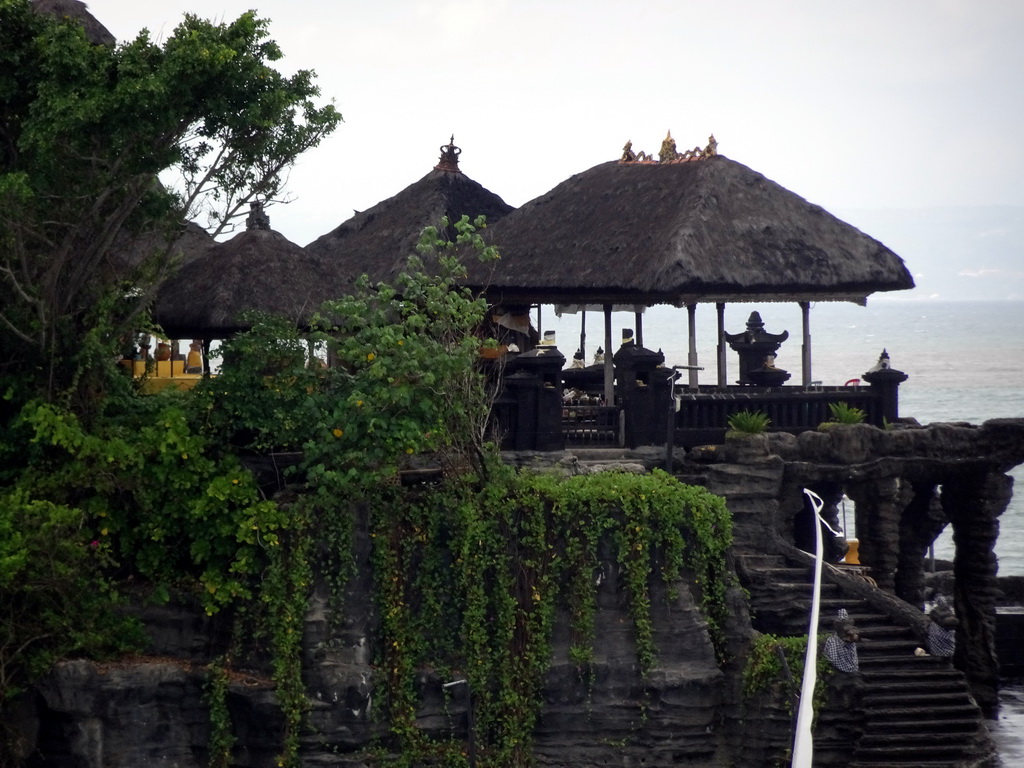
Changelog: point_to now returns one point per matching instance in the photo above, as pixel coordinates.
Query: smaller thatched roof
(379, 240)
(75, 10)
(258, 269)
(706, 229)
(191, 242)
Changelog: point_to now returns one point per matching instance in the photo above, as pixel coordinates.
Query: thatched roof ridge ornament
(257, 218)
(449, 157)
(668, 153)
(668, 149)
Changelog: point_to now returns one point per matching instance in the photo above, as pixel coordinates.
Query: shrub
(844, 413)
(748, 423)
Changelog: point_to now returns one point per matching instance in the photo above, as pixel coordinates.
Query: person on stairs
(841, 646)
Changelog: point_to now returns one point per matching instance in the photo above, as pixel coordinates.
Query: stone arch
(802, 526)
(879, 499)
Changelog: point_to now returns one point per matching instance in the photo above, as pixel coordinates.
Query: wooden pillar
(720, 308)
(805, 311)
(691, 356)
(206, 357)
(583, 334)
(639, 338)
(609, 373)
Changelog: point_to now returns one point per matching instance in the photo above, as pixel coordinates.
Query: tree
(105, 152)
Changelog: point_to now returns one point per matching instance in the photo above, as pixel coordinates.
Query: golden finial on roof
(668, 149)
(449, 157)
(668, 153)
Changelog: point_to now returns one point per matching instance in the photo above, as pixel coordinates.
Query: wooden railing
(703, 416)
(592, 426)
(531, 414)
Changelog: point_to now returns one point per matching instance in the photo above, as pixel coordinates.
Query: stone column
(973, 504)
(879, 509)
(922, 521)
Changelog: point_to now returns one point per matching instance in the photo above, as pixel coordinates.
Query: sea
(964, 360)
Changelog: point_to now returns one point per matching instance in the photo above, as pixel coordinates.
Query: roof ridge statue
(449, 157)
(668, 153)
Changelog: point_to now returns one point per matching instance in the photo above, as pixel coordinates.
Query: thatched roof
(379, 240)
(706, 230)
(258, 269)
(74, 10)
(182, 247)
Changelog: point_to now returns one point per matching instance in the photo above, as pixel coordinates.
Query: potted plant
(842, 413)
(746, 437)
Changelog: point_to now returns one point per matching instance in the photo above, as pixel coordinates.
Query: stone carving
(629, 156)
(257, 218)
(669, 153)
(668, 149)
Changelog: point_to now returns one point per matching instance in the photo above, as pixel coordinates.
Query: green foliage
(222, 738)
(168, 502)
(402, 379)
(748, 422)
(498, 559)
(85, 130)
(53, 599)
(285, 592)
(844, 413)
(764, 671)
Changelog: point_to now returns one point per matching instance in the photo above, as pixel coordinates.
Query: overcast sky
(870, 104)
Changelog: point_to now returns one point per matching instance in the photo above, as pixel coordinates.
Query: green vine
(222, 738)
(505, 556)
(764, 670)
(285, 591)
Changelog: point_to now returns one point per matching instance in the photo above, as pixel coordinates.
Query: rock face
(907, 484)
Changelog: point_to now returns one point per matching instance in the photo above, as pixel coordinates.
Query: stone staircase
(917, 711)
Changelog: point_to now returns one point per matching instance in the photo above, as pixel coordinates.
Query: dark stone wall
(150, 710)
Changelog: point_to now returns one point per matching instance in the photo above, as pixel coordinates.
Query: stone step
(962, 725)
(914, 687)
(849, 603)
(902, 662)
(872, 677)
(889, 755)
(777, 574)
(894, 698)
(918, 710)
(912, 738)
(868, 620)
(759, 560)
(874, 632)
(803, 589)
(933, 712)
(887, 647)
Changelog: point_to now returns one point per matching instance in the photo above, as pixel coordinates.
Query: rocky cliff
(907, 483)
